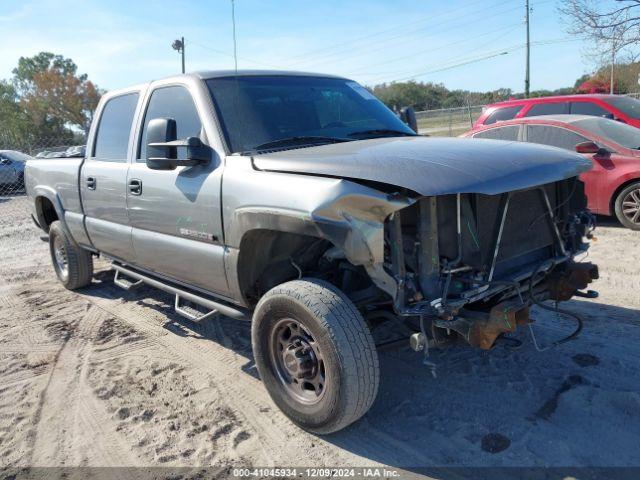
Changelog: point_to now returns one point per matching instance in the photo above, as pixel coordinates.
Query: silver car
(12, 165)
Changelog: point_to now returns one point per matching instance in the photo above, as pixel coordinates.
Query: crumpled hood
(433, 166)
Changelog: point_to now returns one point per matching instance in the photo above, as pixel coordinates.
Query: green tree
(53, 94)
(14, 124)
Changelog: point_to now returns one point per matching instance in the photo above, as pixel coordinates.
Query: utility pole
(179, 46)
(613, 63)
(527, 79)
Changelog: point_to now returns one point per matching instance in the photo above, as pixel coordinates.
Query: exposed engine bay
(471, 265)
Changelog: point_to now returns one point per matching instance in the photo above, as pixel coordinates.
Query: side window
(554, 136)
(548, 109)
(588, 108)
(506, 113)
(112, 137)
(171, 102)
(500, 133)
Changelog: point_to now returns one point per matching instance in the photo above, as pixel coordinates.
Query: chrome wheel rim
(60, 257)
(631, 206)
(298, 362)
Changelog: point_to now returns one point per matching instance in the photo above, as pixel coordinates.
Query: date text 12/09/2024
(309, 472)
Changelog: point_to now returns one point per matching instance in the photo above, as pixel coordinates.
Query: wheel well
(612, 201)
(46, 212)
(269, 258)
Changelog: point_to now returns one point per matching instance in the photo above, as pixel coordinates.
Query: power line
(222, 52)
(381, 32)
(349, 53)
(509, 28)
(486, 56)
(455, 65)
(464, 57)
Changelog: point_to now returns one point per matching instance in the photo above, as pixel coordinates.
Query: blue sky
(120, 42)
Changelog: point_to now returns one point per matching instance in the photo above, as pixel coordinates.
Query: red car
(613, 185)
(616, 107)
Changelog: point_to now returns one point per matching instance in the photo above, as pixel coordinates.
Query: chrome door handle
(135, 186)
(91, 183)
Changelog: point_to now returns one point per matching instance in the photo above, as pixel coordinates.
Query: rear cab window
(502, 114)
(114, 128)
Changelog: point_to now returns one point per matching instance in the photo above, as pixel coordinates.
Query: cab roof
(208, 74)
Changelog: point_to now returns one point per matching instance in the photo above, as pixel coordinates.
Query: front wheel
(315, 355)
(72, 263)
(627, 206)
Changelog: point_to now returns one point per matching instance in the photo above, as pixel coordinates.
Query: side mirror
(162, 147)
(590, 147)
(610, 116)
(408, 116)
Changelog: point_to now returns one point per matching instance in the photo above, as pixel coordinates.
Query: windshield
(627, 105)
(15, 156)
(258, 111)
(620, 133)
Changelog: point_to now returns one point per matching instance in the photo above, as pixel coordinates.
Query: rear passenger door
(176, 214)
(104, 175)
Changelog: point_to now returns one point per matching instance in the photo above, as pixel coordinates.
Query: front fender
(349, 215)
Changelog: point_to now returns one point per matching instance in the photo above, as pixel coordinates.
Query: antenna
(235, 45)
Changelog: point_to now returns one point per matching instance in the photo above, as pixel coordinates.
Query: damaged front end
(470, 265)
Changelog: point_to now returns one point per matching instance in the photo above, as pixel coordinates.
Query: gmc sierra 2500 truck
(300, 202)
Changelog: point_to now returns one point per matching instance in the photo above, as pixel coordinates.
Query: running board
(185, 312)
(213, 306)
(124, 283)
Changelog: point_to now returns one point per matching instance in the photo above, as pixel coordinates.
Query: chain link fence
(448, 122)
(14, 153)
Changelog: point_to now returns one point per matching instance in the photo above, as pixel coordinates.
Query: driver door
(176, 214)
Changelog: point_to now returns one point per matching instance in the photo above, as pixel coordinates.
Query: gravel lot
(104, 377)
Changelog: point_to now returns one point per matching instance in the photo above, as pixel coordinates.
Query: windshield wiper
(387, 132)
(299, 140)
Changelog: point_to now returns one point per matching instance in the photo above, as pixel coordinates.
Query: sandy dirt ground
(105, 377)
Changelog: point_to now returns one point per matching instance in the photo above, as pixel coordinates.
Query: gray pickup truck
(300, 202)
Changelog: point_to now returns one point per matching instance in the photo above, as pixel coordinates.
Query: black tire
(344, 343)
(627, 206)
(79, 262)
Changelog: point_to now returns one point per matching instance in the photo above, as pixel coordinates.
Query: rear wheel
(315, 355)
(72, 263)
(627, 206)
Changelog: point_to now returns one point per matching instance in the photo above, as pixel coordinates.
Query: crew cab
(300, 202)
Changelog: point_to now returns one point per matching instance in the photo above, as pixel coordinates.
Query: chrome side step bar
(124, 283)
(182, 311)
(214, 306)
